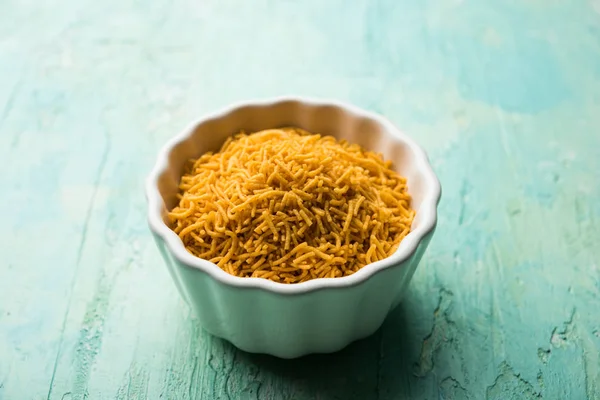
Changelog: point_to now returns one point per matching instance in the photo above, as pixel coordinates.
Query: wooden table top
(504, 96)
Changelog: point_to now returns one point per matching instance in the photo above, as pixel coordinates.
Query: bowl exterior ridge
(318, 316)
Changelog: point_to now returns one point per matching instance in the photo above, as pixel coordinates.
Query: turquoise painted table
(504, 95)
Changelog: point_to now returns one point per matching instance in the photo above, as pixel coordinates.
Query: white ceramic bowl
(320, 315)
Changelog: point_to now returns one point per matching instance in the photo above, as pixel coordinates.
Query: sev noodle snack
(290, 206)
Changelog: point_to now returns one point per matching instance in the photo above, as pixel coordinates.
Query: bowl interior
(366, 131)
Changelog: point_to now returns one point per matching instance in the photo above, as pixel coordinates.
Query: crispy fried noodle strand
(290, 206)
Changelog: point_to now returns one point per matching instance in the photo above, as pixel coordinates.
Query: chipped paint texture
(504, 96)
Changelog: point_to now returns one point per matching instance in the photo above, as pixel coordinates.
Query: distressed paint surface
(504, 95)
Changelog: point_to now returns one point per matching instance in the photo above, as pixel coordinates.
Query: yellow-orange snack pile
(290, 206)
